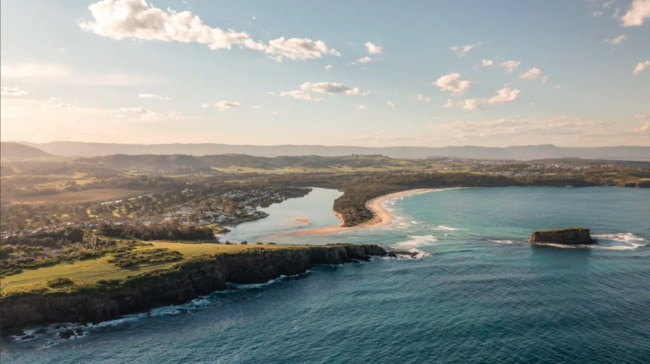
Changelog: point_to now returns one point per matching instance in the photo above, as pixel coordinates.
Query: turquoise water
(478, 293)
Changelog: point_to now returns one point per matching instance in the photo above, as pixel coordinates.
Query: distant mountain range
(20, 151)
(531, 152)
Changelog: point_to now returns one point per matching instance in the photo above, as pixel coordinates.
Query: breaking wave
(445, 228)
(619, 241)
(415, 242)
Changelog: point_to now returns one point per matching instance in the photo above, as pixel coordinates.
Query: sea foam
(619, 241)
(445, 228)
(415, 242)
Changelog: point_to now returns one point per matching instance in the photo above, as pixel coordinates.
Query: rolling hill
(531, 152)
(16, 151)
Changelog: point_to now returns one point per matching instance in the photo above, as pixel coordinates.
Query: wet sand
(381, 216)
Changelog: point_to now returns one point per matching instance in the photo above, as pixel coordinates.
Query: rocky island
(46, 300)
(566, 236)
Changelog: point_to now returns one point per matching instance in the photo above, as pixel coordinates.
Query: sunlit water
(480, 292)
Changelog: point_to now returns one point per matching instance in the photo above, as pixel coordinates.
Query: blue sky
(372, 73)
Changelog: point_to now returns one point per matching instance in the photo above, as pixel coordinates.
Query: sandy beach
(381, 216)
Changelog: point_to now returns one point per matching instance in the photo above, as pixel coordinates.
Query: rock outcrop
(179, 285)
(568, 236)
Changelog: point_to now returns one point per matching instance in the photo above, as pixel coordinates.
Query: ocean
(477, 292)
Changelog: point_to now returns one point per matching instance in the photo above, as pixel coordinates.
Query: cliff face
(189, 281)
(570, 236)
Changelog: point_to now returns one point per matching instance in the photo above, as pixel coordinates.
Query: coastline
(381, 216)
(176, 285)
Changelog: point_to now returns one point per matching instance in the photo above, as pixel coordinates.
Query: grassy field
(88, 272)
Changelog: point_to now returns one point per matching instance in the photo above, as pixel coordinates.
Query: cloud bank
(137, 19)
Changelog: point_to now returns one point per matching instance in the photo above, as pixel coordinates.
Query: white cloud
(144, 95)
(504, 95)
(133, 110)
(374, 49)
(609, 3)
(222, 105)
(12, 91)
(137, 19)
(511, 65)
(453, 83)
(362, 107)
(298, 94)
(421, 98)
(391, 104)
(463, 50)
(299, 49)
(487, 63)
(531, 74)
(545, 79)
(328, 67)
(226, 105)
(120, 19)
(363, 60)
(471, 104)
(331, 88)
(140, 113)
(638, 12)
(618, 40)
(641, 66)
(63, 105)
(596, 13)
(645, 128)
(303, 93)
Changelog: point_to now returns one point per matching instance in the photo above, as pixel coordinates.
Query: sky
(367, 73)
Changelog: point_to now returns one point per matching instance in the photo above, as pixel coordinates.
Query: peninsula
(159, 274)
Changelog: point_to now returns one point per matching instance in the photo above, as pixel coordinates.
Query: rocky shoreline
(186, 281)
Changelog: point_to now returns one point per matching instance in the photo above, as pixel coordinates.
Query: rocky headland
(184, 282)
(566, 236)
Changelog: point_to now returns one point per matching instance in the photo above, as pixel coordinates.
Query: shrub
(60, 282)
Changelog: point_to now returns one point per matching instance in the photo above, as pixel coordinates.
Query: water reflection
(311, 211)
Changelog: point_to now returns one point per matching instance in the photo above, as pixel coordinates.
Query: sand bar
(381, 216)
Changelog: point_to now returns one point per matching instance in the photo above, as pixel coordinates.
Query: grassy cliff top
(160, 255)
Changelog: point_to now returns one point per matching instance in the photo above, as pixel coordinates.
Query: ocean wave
(412, 245)
(256, 285)
(619, 241)
(53, 333)
(502, 241)
(566, 246)
(414, 254)
(76, 330)
(416, 241)
(445, 228)
(270, 282)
